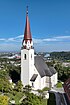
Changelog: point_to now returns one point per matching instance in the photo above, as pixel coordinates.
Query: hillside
(65, 56)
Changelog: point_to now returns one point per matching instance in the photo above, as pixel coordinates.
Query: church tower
(27, 55)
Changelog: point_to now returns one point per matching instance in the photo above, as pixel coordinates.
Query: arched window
(32, 84)
(25, 56)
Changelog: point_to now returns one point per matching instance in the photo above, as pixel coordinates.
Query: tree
(19, 86)
(5, 86)
(27, 88)
(49, 63)
(64, 77)
(59, 68)
(3, 100)
(32, 99)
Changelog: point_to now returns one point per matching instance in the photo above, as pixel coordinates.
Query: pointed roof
(27, 33)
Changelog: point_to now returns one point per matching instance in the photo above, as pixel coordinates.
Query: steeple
(27, 55)
(27, 41)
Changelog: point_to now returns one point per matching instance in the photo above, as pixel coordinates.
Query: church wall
(48, 83)
(52, 80)
(43, 82)
(24, 72)
(37, 82)
(31, 64)
(55, 78)
(27, 66)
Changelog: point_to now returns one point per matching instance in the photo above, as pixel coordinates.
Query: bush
(3, 100)
(59, 85)
(46, 89)
(32, 99)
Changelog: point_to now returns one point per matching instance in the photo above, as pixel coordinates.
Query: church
(34, 71)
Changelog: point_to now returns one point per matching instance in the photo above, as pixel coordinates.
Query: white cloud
(2, 39)
(36, 40)
(50, 39)
(13, 39)
(10, 39)
(20, 36)
(10, 43)
(63, 37)
(44, 40)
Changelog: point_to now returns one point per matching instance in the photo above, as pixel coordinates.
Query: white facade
(53, 80)
(48, 82)
(37, 82)
(27, 66)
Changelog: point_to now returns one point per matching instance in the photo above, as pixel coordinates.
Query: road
(58, 102)
(60, 98)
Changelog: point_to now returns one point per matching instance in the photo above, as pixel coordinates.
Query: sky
(49, 22)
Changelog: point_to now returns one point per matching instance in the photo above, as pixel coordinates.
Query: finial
(27, 10)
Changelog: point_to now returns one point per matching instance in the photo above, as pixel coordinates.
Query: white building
(34, 70)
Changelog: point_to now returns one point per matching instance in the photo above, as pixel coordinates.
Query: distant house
(66, 64)
(34, 70)
(47, 55)
(67, 88)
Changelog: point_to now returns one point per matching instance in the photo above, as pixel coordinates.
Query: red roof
(67, 88)
(27, 33)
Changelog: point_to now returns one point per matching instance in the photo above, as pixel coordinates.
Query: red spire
(27, 33)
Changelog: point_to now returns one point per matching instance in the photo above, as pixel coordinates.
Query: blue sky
(49, 22)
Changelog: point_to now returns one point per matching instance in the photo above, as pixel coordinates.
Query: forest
(64, 56)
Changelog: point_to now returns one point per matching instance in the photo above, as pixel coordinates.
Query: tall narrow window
(31, 56)
(32, 84)
(25, 56)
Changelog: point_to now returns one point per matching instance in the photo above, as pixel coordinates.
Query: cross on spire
(27, 10)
